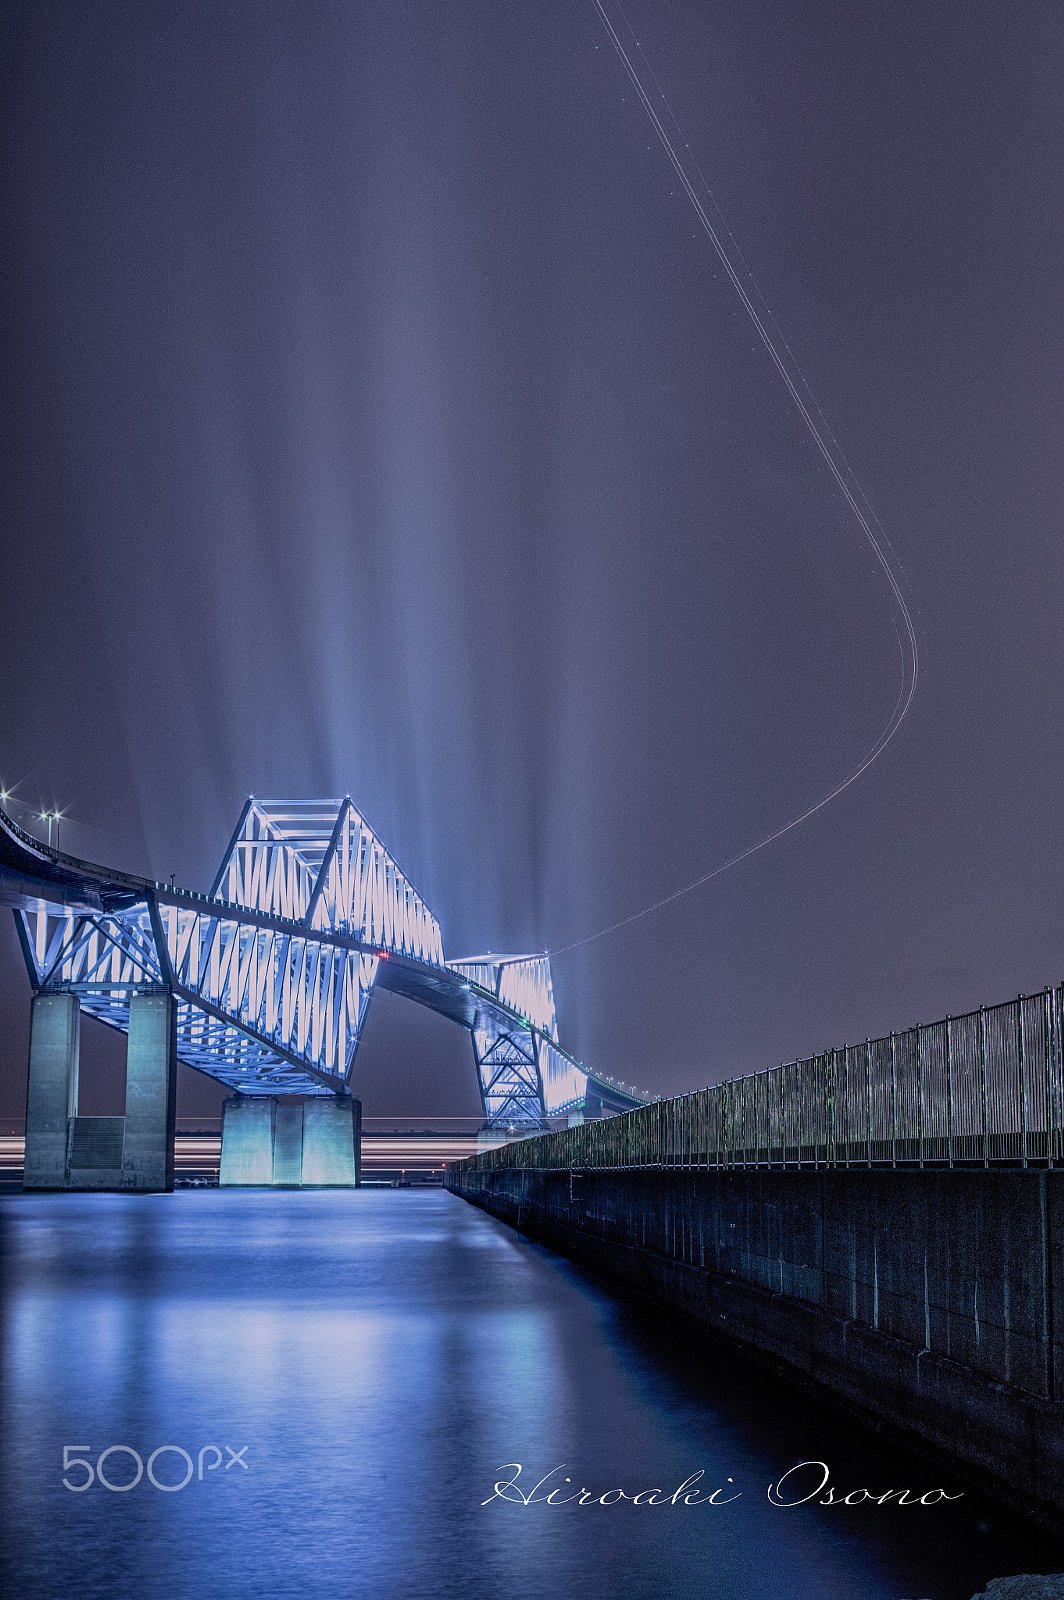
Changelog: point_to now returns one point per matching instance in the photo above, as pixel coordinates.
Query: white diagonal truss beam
(319, 862)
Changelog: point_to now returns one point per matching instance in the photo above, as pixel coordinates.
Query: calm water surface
(378, 1357)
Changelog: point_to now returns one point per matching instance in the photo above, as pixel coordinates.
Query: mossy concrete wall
(929, 1301)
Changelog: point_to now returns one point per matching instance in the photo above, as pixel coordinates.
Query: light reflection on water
(382, 1354)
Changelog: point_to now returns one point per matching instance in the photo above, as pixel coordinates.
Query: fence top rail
(982, 1089)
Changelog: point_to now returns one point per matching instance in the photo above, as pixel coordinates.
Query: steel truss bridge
(273, 969)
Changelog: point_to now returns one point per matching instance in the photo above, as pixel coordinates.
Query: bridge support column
(65, 1151)
(332, 1142)
(247, 1141)
(151, 1093)
(274, 1143)
(287, 1146)
(52, 1091)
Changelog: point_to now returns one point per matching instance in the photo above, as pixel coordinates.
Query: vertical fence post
(982, 1066)
(736, 1122)
(820, 1099)
(1023, 1077)
(725, 1122)
(868, 1090)
(949, 1093)
(736, 1104)
(722, 1106)
(893, 1101)
(828, 1103)
(919, 1100)
(798, 1097)
(1055, 1117)
(733, 1101)
(722, 1126)
(722, 1118)
(1047, 1048)
(752, 1129)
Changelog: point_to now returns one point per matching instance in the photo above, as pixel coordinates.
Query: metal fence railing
(980, 1090)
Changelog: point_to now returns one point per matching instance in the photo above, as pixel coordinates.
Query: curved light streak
(811, 415)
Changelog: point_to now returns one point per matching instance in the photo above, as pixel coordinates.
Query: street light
(50, 817)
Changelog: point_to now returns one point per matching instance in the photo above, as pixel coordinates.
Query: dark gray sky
(379, 420)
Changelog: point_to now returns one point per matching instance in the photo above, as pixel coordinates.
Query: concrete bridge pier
(134, 1151)
(272, 1143)
(52, 1091)
(151, 1093)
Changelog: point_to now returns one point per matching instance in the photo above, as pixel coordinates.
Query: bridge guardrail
(985, 1089)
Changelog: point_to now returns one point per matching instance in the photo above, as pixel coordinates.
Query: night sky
(379, 420)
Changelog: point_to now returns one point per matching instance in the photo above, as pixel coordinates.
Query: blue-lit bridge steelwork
(273, 969)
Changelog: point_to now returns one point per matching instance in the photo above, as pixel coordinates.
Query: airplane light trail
(743, 283)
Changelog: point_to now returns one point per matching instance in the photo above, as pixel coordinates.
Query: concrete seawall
(927, 1301)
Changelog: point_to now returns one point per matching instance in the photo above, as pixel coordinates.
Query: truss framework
(524, 1074)
(273, 970)
(263, 1009)
(319, 863)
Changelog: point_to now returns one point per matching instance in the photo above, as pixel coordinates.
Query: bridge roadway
(262, 984)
